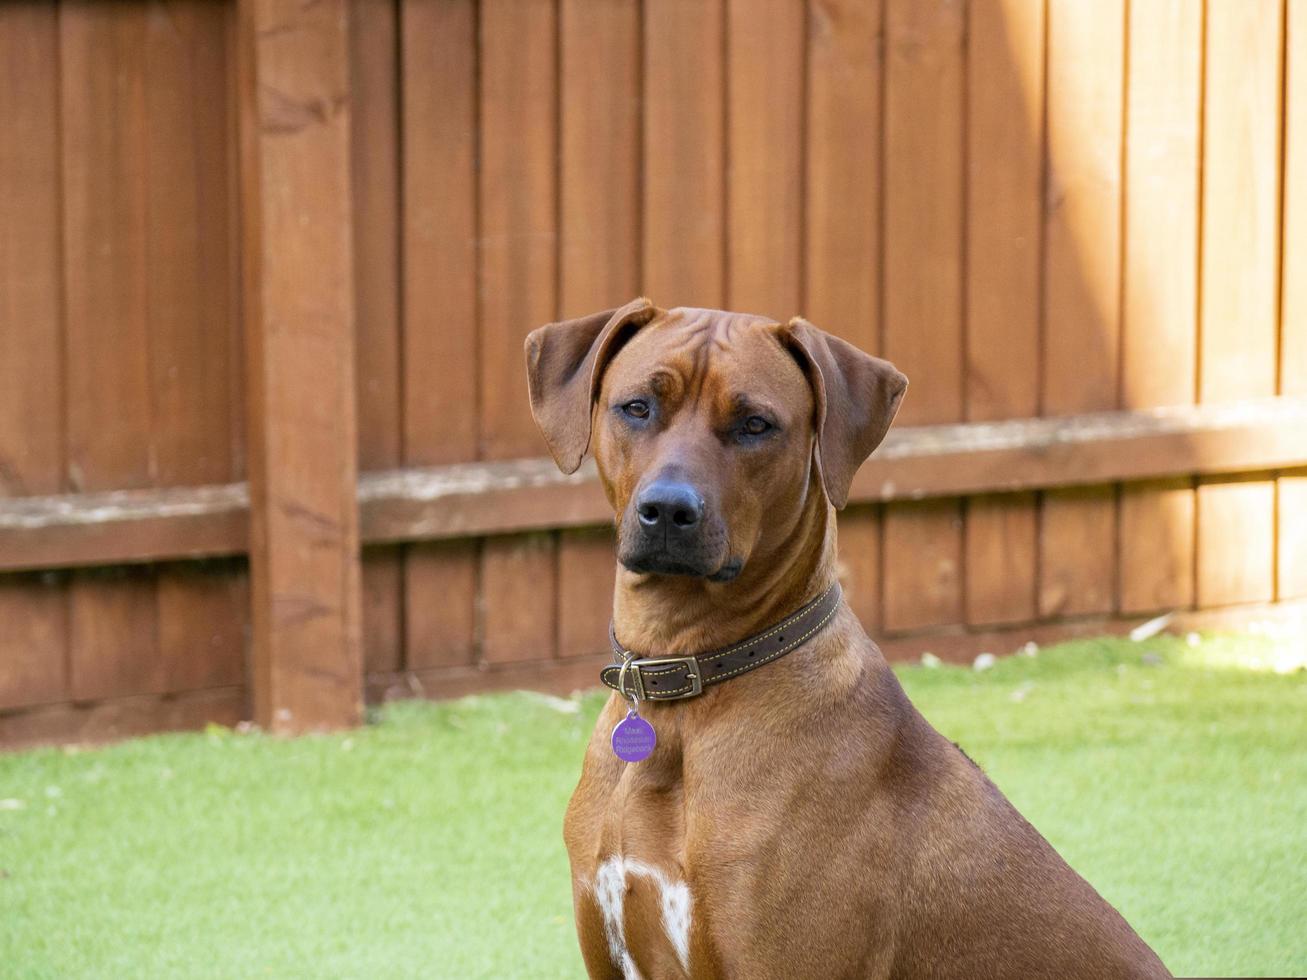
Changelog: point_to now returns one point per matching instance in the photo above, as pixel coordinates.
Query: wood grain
(1291, 552)
(103, 76)
(587, 561)
(683, 207)
(1077, 552)
(375, 175)
(599, 256)
(438, 78)
(518, 612)
(1000, 548)
(1005, 144)
(112, 619)
(764, 183)
(31, 414)
(519, 279)
(202, 613)
(204, 624)
(382, 602)
(306, 666)
(842, 198)
(842, 194)
(599, 181)
(439, 231)
(1160, 291)
(1291, 499)
(921, 568)
(440, 611)
(33, 641)
(1240, 257)
(923, 248)
(1156, 545)
(876, 165)
(1082, 262)
(1236, 526)
(859, 563)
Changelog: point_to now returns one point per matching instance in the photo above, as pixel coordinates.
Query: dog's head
(708, 428)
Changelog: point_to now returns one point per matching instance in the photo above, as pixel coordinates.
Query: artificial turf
(1172, 775)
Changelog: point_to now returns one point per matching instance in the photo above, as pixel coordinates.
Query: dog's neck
(661, 615)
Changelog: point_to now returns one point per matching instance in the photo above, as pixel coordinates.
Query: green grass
(428, 844)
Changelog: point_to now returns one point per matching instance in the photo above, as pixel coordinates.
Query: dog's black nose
(675, 506)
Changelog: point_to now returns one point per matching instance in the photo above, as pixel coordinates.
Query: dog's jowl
(797, 817)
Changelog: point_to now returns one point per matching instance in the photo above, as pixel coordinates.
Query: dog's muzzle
(669, 530)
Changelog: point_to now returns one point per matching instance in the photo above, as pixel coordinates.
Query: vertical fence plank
(190, 263)
(33, 640)
(860, 538)
(1082, 255)
(299, 316)
(843, 180)
(599, 246)
(375, 191)
(600, 155)
(439, 86)
(113, 631)
(923, 289)
(440, 594)
(203, 624)
(1240, 250)
(586, 563)
(31, 416)
(1159, 318)
(764, 186)
(1005, 142)
(1156, 546)
(1236, 529)
(519, 268)
(842, 228)
(374, 70)
(683, 211)
(187, 286)
(1292, 499)
(519, 144)
(238, 451)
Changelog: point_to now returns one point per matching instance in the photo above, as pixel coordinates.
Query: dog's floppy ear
(563, 364)
(857, 396)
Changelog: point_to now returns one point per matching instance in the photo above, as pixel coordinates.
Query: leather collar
(673, 678)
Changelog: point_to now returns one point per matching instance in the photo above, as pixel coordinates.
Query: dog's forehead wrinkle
(732, 363)
(663, 382)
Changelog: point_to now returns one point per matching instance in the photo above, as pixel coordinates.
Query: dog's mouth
(665, 563)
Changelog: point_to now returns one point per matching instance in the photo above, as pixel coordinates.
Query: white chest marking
(674, 896)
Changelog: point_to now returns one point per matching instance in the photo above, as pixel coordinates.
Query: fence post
(293, 65)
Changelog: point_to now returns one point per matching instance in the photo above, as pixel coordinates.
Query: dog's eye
(637, 409)
(756, 425)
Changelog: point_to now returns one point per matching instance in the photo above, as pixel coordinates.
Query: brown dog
(802, 819)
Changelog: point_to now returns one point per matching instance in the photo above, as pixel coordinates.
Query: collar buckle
(693, 676)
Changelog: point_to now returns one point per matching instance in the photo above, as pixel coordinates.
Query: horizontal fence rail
(472, 499)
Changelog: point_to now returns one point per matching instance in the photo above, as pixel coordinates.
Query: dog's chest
(647, 913)
(637, 910)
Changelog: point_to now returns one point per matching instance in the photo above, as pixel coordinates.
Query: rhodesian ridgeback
(792, 815)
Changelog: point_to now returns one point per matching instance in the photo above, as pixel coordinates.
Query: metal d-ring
(633, 696)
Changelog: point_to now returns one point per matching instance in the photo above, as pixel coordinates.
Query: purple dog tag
(633, 738)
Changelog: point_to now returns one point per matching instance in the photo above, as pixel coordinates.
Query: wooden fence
(300, 243)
